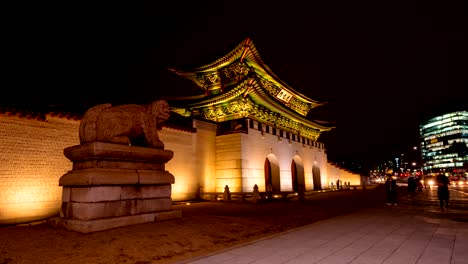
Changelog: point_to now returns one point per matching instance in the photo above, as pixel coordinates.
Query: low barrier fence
(257, 196)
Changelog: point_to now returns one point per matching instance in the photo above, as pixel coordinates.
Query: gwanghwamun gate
(246, 128)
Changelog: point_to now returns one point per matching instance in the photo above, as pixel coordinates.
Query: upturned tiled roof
(36, 114)
(175, 120)
(240, 84)
(245, 52)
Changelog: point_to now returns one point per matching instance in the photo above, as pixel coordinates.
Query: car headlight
(430, 182)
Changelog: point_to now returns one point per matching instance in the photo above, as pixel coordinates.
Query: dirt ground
(205, 227)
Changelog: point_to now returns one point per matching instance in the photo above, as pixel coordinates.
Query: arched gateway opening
(316, 177)
(295, 183)
(272, 173)
(297, 173)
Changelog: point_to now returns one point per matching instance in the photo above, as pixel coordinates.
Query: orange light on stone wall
(31, 163)
(181, 165)
(181, 188)
(24, 206)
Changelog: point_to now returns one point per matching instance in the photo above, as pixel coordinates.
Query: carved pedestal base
(89, 226)
(115, 185)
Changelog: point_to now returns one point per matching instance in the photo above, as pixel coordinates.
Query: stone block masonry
(31, 163)
(104, 195)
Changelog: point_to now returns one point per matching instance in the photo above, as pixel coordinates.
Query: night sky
(382, 71)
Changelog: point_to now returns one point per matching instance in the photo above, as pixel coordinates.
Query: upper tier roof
(241, 85)
(213, 79)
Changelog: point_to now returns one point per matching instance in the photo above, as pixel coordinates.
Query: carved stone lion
(130, 124)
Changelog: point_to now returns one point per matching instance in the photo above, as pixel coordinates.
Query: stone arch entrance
(297, 173)
(272, 173)
(316, 178)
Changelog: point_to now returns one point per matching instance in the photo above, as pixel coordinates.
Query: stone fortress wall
(32, 162)
(241, 159)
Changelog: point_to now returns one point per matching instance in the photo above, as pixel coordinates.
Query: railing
(256, 196)
(250, 196)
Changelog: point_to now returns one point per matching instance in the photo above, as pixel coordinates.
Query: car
(460, 183)
(429, 181)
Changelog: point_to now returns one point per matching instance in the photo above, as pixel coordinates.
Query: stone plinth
(114, 185)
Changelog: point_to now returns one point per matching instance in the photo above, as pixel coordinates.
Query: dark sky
(381, 69)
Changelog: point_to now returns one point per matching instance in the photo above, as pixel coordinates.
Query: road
(415, 231)
(427, 201)
(208, 227)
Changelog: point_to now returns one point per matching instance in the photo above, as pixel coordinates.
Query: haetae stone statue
(118, 176)
(129, 124)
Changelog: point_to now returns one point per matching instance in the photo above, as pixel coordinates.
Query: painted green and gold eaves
(240, 85)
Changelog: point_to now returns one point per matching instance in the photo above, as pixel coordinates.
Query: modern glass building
(444, 144)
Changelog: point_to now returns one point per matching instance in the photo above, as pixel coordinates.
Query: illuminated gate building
(251, 128)
(246, 128)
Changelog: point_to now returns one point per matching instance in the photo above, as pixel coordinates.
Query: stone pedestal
(114, 185)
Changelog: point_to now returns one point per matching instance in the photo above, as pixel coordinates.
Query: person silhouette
(391, 187)
(411, 184)
(443, 192)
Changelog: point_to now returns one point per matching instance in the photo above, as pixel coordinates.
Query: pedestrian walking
(419, 184)
(443, 192)
(411, 184)
(338, 184)
(391, 187)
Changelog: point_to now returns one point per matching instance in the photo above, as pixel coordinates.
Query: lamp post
(418, 155)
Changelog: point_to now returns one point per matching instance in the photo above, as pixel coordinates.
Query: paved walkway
(387, 234)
